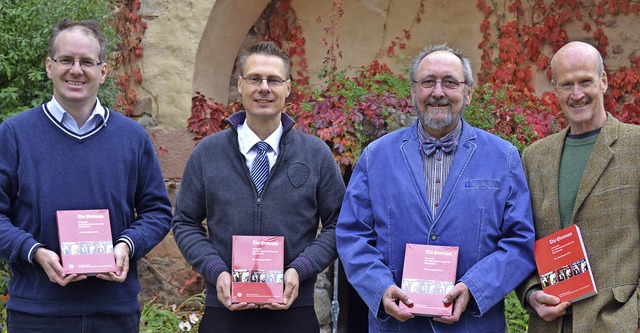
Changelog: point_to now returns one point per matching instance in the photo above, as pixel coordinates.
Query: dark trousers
(19, 322)
(221, 320)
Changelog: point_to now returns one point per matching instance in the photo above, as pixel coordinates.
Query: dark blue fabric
(20, 322)
(43, 169)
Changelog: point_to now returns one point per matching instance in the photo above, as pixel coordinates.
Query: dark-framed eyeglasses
(256, 80)
(446, 84)
(68, 62)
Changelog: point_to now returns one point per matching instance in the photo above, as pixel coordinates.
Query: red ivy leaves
(207, 116)
(512, 49)
(129, 25)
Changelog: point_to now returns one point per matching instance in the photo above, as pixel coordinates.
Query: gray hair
(466, 64)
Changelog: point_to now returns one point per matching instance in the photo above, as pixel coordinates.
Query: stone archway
(222, 39)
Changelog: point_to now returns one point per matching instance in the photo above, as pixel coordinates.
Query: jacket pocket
(623, 293)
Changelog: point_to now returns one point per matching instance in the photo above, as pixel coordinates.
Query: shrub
(24, 47)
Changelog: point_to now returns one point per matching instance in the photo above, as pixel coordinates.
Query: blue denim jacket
(485, 210)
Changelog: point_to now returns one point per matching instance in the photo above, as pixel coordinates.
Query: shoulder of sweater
(25, 117)
(117, 118)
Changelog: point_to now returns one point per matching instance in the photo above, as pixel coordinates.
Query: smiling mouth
(263, 100)
(578, 104)
(74, 83)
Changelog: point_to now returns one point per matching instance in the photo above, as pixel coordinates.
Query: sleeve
(356, 239)
(152, 205)
(512, 261)
(15, 243)
(531, 283)
(188, 230)
(322, 251)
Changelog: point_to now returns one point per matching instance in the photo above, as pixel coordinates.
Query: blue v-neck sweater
(45, 168)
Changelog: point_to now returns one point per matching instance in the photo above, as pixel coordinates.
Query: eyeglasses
(255, 80)
(446, 84)
(68, 62)
(569, 86)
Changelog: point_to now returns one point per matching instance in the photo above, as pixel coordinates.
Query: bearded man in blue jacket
(438, 182)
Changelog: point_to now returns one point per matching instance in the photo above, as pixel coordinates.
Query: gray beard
(429, 122)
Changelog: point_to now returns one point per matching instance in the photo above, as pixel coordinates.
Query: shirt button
(436, 204)
(437, 181)
(434, 237)
(439, 158)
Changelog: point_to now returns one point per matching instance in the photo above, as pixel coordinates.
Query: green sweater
(575, 155)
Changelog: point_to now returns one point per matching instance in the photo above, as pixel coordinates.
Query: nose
(264, 85)
(577, 92)
(437, 89)
(75, 67)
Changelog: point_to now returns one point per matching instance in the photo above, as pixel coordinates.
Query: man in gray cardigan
(303, 188)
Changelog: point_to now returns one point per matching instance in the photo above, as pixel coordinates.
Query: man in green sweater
(587, 175)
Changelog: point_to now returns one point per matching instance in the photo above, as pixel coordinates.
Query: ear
(240, 84)
(604, 83)
(288, 83)
(468, 94)
(103, 72)
(47, 66)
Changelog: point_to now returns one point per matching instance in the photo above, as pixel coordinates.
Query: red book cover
(429, 273)
(86, 246)
(563, 265)
(257, 269)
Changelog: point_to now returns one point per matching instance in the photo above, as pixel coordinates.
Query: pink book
(257, 269)
(429, 273)
(86, 245)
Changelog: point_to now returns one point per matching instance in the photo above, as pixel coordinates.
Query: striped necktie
(260, 167)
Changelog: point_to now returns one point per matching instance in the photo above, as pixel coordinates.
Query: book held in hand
(429, 273)
(86, 245)
(563, 265)
(257, 269)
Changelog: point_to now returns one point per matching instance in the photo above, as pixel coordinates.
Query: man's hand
(122, 252)
(548, 306)
(223, 289)
(459, 296)
(291, 285)
(50, 262)
(390, 300)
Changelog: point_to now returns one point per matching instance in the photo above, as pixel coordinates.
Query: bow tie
(447, 145)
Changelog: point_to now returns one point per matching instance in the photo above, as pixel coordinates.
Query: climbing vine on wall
(130, 27)
(519, 38)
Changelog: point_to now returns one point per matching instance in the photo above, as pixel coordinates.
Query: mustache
(438, 101)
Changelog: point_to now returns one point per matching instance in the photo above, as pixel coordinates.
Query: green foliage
(517, 317)
(163, 318)
(506, 113)
(24, 48)
(4, 281)
(157, 318)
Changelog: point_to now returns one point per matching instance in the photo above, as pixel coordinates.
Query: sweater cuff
(213, 270)
(129, 242)
(530, 291)
(32, 251)
(304, 267)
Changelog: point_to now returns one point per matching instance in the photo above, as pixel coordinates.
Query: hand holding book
(390, 302)
(50, 262)
(459, 298)
(547, 306)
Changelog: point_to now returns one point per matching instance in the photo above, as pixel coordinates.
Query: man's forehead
(442, 63)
